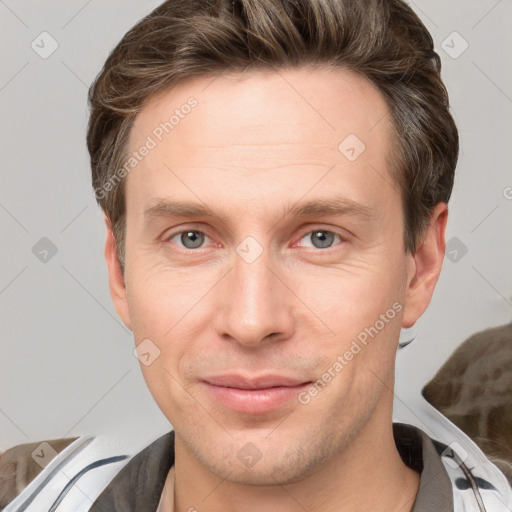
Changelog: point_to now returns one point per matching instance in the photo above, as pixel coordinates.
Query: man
(275, 179)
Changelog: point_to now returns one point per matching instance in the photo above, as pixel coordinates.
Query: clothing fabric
(107, 474)
(134, 489)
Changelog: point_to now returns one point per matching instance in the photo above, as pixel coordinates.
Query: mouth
(254, 395)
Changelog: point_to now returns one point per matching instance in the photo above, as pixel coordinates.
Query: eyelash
(168, 238)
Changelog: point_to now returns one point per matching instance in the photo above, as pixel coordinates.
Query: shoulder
(75, 477)
(139, 484)
(477, 484)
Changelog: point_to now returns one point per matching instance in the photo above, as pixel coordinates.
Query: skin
(255, 145)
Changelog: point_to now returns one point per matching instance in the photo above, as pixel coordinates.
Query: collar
(138, 486)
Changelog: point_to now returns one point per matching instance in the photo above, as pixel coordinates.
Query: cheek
(159, 300)
(348, 298)
(360, 312)
(170, 308)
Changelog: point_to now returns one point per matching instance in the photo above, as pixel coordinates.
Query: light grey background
(66, 363)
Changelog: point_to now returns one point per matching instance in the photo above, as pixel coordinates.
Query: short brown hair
(382, 40)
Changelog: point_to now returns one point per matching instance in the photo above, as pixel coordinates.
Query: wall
(66, 364)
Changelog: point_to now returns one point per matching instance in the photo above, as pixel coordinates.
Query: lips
(256, 394)
(257, 382)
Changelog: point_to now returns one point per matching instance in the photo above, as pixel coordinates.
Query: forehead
(265, 126)
(335, 100)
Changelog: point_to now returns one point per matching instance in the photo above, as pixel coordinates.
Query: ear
(115, 277)
(424, 267)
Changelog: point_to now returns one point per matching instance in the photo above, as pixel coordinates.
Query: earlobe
(425, 267)
(115, 277)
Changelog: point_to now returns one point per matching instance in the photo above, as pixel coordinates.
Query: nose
(254, 303)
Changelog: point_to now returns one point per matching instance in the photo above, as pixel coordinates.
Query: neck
(368, 475)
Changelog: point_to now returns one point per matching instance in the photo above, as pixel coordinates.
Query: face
(266, 278)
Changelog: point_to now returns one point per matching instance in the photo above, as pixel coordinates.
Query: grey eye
(191, 239)
(322, 239)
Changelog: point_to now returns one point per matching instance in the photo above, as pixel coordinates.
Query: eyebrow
(324, 207)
